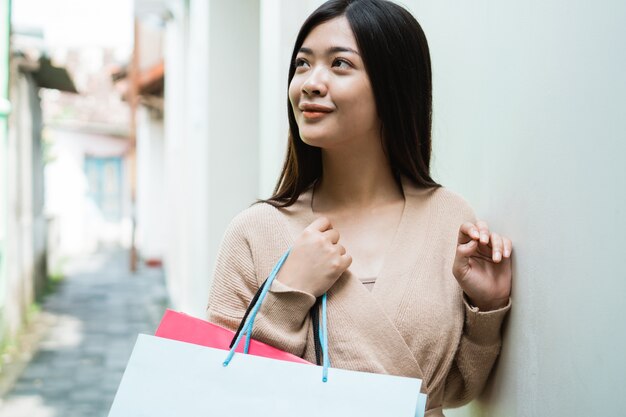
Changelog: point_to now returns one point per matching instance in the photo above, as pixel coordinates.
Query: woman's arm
(283, 318)
(478, 349)
(482, 267)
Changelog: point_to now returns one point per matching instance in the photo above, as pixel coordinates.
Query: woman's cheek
(294, 95)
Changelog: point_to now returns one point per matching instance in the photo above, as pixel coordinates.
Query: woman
(416, 286)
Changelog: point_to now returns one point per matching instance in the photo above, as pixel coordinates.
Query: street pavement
(94, 317)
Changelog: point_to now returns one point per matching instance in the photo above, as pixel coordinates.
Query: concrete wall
(151, 200)
(280, 23)
(5, 12)
(529, 122)
(25, 226)
(211, 135)
(18, 286)
(175, 57)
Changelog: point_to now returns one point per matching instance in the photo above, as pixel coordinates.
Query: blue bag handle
(248, 323)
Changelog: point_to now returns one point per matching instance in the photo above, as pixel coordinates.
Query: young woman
(416, 285)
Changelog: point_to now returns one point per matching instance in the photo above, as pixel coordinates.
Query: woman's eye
(301, 63)
(341, 63)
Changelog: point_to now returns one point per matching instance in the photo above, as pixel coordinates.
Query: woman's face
(330, 93)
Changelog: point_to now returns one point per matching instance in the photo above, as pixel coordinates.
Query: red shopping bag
(167, 378)
(185, 328)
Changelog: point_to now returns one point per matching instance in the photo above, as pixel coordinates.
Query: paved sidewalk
(95, 315)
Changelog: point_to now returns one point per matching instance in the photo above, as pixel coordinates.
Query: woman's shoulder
(258, 215)
(442, 201)
(454, 203)
(262, 225)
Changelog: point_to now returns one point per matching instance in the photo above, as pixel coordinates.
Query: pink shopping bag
(185, 328)
(203, 377)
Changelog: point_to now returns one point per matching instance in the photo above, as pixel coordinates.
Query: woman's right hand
(316, 259)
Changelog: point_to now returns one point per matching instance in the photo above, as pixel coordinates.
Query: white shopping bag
(167, 378)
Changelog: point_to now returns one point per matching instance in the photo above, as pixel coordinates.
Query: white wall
(280, 23)
(529, 122)
(25, 249)
(211, 128)
(175, 57)
(18, 288)
(151, 212)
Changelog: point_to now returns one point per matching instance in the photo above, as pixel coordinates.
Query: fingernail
(497, 256)
(484, 238)
(475, 234)
(506, 253)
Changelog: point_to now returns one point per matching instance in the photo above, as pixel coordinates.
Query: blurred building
(64, 187)
(23, 231)
(87, 174)
(5, 111)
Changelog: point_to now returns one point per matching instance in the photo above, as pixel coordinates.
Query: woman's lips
(314, 111)
(313, 115)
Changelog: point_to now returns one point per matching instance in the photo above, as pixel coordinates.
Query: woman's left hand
(482, 266)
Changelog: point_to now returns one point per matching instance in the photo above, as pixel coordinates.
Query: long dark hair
(397, 60)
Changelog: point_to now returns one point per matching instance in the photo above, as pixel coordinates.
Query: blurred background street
(86, 332)
(74, 288)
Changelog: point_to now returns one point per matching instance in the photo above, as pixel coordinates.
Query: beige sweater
(414, 322)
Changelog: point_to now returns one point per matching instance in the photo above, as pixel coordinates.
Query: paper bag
(168, 378)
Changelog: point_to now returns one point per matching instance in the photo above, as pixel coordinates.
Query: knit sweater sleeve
(480, 341)
(478, 349)
(283, 318)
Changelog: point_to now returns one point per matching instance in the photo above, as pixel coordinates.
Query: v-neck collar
(304, 206)
(408, 245)
(386, 300)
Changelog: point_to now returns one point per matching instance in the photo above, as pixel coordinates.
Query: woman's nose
(315, 84)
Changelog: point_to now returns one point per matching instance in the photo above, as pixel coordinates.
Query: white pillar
(233, 125)
(280, 23)
(211, 124)
(272, 103)
(176, 186)
(151, 213)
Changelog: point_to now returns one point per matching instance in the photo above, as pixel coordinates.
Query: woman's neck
(355, 180)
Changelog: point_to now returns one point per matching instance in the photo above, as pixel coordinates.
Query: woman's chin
(316, 140)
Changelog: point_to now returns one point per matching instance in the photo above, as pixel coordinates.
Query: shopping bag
(185, 328)
(168, 378)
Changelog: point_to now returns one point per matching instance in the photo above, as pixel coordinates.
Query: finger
(332, 235)
(461, 260)
(467, 249)
(342, 250)
(483, 228)
(508, 247)
(467, 232)
(497, 247)
(320, 224)
(346, 261)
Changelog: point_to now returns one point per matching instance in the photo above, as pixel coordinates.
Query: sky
(78, 23)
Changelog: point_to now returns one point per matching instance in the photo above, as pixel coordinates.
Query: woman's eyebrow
(329, 51)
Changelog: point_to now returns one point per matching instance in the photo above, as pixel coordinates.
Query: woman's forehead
(334, 33)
